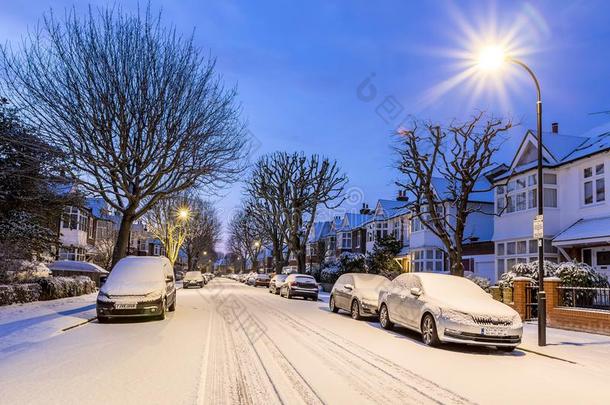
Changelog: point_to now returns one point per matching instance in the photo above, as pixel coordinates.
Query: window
(522, 251)
(586, 256)
(430, 260)
(416, 225)
(594, 184)
(346, 240)
(382, 230)
(357, 243)
(157, 250)
(518, 195)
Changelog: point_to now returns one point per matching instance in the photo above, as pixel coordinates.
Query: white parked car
(357, 293)
(446, 308)
(193, 278)
(138, 286)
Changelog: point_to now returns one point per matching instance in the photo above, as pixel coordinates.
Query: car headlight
(517, 322)
(153, 296)
(457, 316)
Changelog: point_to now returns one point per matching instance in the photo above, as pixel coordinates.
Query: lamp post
(493, 58)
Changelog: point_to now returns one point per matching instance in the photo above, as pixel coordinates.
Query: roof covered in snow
(76, 266)
(319, 231)
(585, 229)
(353, 220)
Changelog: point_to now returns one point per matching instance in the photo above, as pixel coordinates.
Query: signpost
(539, 227)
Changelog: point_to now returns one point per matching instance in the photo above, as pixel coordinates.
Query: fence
(584, 297)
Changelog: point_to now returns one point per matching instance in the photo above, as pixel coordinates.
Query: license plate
(493, 332)
(125, 306)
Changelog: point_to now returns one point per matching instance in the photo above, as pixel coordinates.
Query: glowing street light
(184, 213)
(493, 58)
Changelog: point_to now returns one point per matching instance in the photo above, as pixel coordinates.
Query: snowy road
(228, 343)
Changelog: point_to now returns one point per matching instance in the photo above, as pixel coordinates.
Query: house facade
(576, 210)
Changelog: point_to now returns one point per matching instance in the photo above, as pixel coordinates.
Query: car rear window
(305, 279)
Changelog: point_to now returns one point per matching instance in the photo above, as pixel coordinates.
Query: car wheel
(172, 307)
(162, 314)
(428, 331)
(506, 349)
(356, 310)
(331, 305)
(384, 318)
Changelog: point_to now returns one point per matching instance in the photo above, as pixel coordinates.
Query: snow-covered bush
(347, 263)
(22, 271)
(480, 281)
(18, 293)
(572, 274)
(62, 287)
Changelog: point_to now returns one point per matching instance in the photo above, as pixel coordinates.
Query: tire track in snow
(396, 372)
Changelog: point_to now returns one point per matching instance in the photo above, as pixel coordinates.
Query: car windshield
(370, 281)
(450, 287)
(135, 274)
(192, 274)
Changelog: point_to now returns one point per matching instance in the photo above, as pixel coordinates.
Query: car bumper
(482, 335)
(151, 308)
(369, 309)
(192, 283)
(303, 292)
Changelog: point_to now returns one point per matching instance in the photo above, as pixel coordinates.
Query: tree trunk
(120, 247)
(455, 261)
(301, 261)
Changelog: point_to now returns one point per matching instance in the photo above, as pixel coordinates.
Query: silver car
(446, 308)
(357, 293)
(276, 283)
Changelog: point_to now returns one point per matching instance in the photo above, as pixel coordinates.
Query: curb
(79, 324)
(546, 355)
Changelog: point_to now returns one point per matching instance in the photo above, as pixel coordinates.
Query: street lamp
(492, 58)
(184, 213)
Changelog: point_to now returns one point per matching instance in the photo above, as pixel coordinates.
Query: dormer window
(594, 184)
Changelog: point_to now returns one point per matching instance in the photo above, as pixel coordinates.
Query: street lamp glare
(491, 57)
(183, 213)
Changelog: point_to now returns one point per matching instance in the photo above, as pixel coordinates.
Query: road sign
(538, 227)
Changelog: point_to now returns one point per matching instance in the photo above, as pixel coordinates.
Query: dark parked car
(259, 279)
(357, 293)
(300, 285)
(276, 283)
(138, 286)
(193, 278)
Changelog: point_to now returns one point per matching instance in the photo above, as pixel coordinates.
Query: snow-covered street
(229, 343)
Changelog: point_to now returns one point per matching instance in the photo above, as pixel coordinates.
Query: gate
(531, 303)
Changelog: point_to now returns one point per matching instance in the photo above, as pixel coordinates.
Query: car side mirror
(416, 291)
(348, 287)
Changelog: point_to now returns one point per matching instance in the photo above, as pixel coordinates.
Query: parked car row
(284, 285)
(442, 308)
(196, 278)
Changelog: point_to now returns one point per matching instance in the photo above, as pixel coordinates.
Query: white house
(576, 210)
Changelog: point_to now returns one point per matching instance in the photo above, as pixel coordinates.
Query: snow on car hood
(478, 306)
(141, 288)
(369, 294)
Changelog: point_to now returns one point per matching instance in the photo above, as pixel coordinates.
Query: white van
(138, 286)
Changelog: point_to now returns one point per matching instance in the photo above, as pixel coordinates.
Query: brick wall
(585, 320)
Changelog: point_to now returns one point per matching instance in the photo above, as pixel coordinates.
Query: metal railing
(584, 297)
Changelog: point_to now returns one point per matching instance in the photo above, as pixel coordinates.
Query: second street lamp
(492, 58)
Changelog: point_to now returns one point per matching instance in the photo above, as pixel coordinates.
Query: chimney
(555, 127)
(365, 209)
(402, 195)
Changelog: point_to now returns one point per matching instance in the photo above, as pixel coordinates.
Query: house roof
(96, 205)
(591, 228)
(482, 190)
(564, 149)
(320, 230)
(390, 208)
(354, 221)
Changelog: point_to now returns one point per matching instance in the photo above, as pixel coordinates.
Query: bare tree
(246, 237)
(459, 154)
(266, 209)
(105, 239)
(139, 109)
(298, 185)
(203, 232)
(168, 221)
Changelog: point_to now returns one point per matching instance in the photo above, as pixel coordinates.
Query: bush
(22, 271)
(63, 287)
(480, 281)
(572, 274)
(19, 293)
(347, 263)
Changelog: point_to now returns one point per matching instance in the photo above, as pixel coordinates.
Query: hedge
(48, 288)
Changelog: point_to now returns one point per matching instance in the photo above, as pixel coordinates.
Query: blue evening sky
(300, 68)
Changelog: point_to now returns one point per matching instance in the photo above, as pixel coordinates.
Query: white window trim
(593, 179)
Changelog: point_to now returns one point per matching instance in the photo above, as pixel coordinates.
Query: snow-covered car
(357, 293)
(193, 278)
(138, 286)
(446, 308)
(276, 283)
(259, 279)
(300, 285)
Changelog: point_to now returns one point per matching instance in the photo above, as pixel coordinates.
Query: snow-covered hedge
(347, 263)
(62, 287)
(22, 271)
(18, 293)
(47, 288)
(572, 274)
(482, 282)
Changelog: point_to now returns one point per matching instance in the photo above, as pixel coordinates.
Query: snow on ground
(21, 325)
(228, 343)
